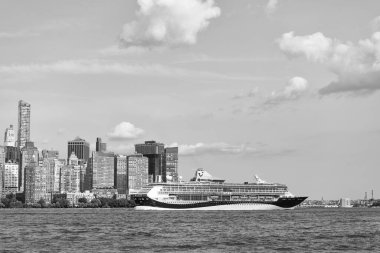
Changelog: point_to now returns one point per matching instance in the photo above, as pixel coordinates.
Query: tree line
(60, 201)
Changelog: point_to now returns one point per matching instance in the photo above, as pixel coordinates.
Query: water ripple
(126, 230)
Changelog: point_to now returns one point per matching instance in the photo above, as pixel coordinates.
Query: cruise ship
(205, 192)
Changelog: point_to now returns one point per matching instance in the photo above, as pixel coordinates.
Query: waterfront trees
(42, 202)
(10, 201)
(82, 200)
(60, 201)
(96, 203)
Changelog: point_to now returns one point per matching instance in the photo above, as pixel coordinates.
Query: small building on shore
(345, 202)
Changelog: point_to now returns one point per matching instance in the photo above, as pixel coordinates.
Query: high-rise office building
(52, 176)
(23, 134)
(58, 165)
(2, 165)
(70, 178)
(73, 159)
(100, 146)
(88, 176)
(10, 137)
(29, 182)
(101, 171)
(12, 154)
(29, 156)
(121, 177)
(81, 149)
(71, 175)
(83, 168)
(50, 154)
(137, 167)
(156, 155)
(36, 184)
(10, 176)
(171, 164)
(76, 166)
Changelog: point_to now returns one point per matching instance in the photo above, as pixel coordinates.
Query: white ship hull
(230, 207)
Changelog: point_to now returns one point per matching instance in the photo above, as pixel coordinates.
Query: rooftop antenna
(372, 194)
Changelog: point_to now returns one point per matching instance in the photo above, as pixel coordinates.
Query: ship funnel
(259, 180)
(203, 176)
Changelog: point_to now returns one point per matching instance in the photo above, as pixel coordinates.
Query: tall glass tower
(80, 147)
(100, 146)
(23, 123)
(156, 155)
(171, 164)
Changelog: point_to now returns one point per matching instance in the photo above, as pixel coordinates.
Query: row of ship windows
(220, 190)
(237, 195)
(229, 198)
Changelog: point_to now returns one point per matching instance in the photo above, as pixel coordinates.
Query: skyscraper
(80, 147)
(29, 157)
(171, 164)
(100, 146)
(10, 178)
(137, 167)
(156, 155)
(53, 169)
(12, 154)
(36, 184)
(101, 171)
(70, 179)
(23, 134)
(58, 165)
(10, 137)
(29, 183)
(71, 175)
(2, 167)
(121, 174)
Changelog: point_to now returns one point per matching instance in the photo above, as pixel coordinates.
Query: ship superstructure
(209, 193)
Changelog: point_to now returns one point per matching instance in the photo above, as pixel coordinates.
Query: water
(113, 230)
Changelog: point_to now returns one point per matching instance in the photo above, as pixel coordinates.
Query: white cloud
(91, 67)
(315, 47)
(168, 22)
(212, 148)
(95, 67)
(271, 6)
(125, 131)
(222, 148)
(20, 34)
(357, 66)
(295, 88)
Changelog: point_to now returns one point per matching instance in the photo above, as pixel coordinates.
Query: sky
(287, 90)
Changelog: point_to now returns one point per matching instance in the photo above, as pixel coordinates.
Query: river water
(128, 230)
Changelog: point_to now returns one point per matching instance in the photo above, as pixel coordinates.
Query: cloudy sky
(284, 89)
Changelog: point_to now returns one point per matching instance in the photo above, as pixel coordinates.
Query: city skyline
(247, 88)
